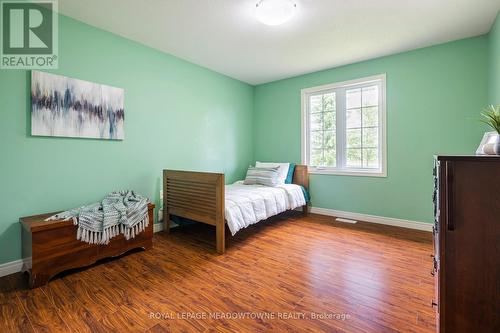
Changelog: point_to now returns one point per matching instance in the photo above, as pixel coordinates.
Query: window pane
(353, 118)
(370, 96)
(316, 121)
(353, 158)
(370, 116)
(329, 102)
(370, 158)
(329, 137)
(370, 137)
(317, 139)
(329, 118)
(353, 98)
(316, 103)
(359, 126)
(330, 157)
(317, 157)
(353, 138)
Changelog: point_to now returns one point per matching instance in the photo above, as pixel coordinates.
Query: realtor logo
(29, 34)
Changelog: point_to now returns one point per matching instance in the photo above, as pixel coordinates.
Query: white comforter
(249, 204)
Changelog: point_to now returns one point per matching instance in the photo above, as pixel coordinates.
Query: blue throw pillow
(289, 176)
(307, 196)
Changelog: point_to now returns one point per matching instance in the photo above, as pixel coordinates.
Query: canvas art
(67, 107)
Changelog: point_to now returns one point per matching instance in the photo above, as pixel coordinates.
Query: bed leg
(305, 210)
(221, 239)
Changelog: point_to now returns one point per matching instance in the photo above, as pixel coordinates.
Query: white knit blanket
(122, 212)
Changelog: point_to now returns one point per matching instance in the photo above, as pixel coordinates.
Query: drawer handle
(449, 197)
(433, 303)
(432, 272)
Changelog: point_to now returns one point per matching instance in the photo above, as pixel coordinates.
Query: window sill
(360, 173)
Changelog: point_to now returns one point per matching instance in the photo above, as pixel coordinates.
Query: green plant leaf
(491, 117)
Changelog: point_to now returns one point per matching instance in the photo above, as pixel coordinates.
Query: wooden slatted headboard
(301, 176)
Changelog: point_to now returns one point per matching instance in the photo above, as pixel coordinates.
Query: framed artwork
(67, 107)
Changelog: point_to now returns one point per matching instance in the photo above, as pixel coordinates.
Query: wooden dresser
(466, 260)
(53, 247)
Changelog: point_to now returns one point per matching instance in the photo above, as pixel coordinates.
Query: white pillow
(262, 176)
(283, 169)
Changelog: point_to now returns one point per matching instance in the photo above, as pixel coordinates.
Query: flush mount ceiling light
(275, 12)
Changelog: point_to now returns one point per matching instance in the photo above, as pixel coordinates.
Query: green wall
(494, 64)
(433, 99)
(178, 115)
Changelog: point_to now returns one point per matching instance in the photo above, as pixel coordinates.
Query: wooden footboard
(197, 196)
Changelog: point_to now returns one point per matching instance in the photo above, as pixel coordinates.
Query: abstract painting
(67, 107)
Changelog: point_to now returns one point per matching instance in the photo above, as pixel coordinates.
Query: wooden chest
(53, 247)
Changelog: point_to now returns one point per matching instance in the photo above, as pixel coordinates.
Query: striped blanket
(122, 212)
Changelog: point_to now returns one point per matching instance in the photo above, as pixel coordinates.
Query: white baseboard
(11, 267)
(374, 219)
(15, 266)
(157, 227)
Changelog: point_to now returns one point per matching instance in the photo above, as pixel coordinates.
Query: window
(343, 128)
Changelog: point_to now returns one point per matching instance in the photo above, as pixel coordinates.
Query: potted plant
(491, 117)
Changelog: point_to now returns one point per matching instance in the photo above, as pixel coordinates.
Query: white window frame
(340, 130)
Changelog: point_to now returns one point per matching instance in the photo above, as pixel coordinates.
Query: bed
(204, 197)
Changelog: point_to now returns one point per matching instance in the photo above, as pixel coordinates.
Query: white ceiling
(223, 35)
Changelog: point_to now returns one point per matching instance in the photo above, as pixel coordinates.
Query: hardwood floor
(373, 278)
